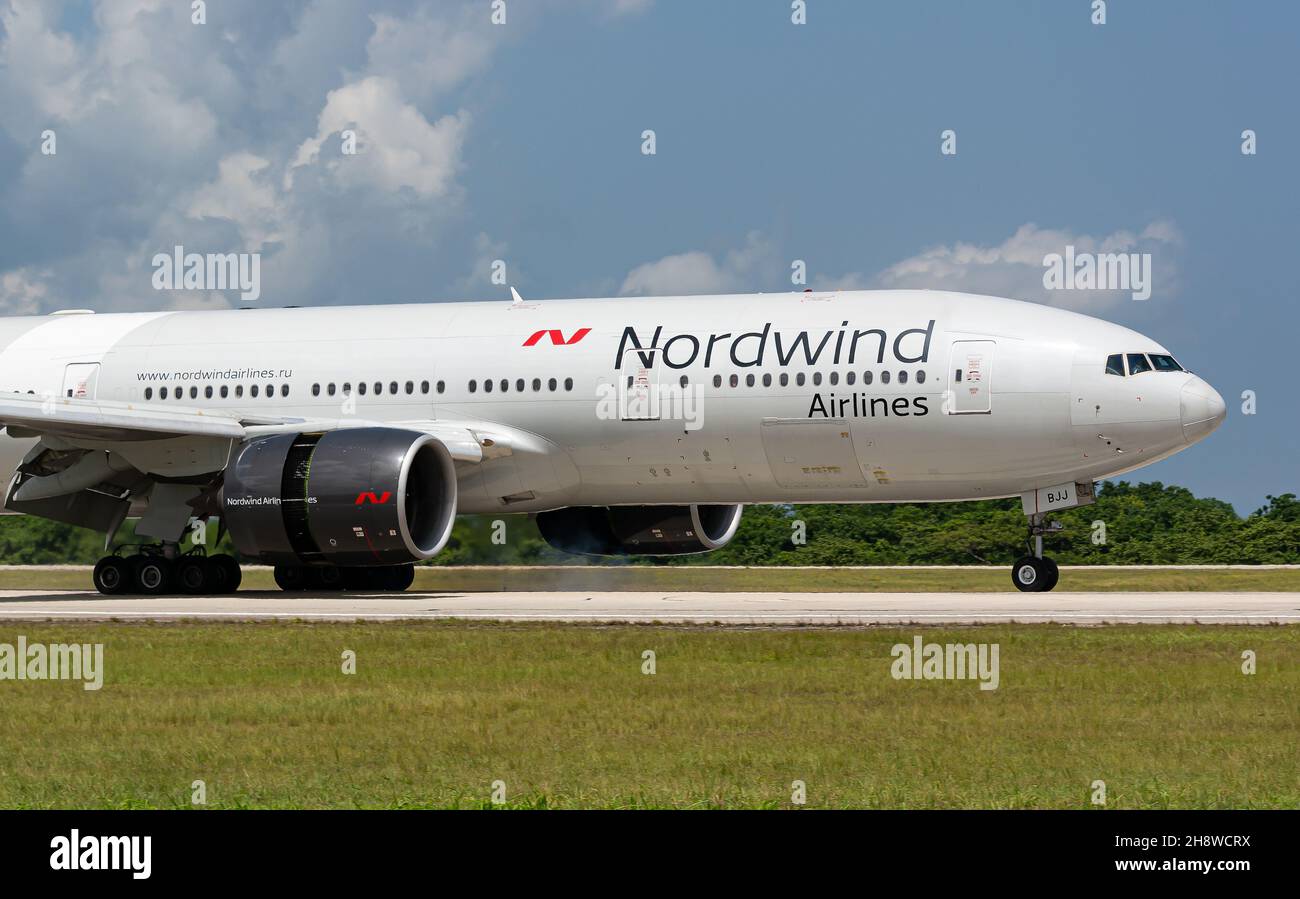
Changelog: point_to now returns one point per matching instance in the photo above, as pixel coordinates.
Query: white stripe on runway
(692, 608)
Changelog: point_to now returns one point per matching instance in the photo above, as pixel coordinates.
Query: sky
(518, 147)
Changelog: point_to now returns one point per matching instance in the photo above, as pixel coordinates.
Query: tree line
(1137, 524)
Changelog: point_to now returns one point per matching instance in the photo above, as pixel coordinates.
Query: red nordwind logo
(370, 497)
(557, 337)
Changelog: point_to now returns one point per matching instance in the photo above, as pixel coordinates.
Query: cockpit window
(1137, 363)
(1165, 363)
(1115, 365)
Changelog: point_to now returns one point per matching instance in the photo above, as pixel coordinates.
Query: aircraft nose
(1202, 409)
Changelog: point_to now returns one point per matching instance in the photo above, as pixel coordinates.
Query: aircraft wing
(102, 422)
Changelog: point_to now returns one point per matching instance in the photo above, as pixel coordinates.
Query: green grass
(563, 715)
(770, 579)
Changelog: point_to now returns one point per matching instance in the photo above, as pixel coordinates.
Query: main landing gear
(1035, 573)
(157, 570)
(386, 579)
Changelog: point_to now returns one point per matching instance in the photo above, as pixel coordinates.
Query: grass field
(774, 579)
(564, 716)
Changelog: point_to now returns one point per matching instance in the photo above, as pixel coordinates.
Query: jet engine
(351, 497)
(639, 530)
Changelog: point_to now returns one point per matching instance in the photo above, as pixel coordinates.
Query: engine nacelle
(639, 530)
(356, 496)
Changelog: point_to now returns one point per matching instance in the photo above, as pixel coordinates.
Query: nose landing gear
(1035, 573)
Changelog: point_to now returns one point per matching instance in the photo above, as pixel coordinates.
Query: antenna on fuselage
(517, 298)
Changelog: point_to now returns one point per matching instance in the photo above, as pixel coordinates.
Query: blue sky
(775, 142)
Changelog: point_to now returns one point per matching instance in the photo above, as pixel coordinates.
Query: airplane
(339, 444)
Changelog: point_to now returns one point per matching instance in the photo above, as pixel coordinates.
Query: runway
(679, 608)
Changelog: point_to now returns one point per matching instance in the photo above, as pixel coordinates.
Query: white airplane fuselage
(881, 396)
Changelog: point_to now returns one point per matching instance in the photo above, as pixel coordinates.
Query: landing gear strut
(1035, 573)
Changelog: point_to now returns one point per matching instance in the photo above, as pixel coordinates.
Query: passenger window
(683, 381)
(473, 386)
(194, 393)
(239, 391)
(424, 387)
(442, 385)
(329, 388)
(785, 379)
(717, 380)
(225, 391)
(1115, 364)
(835, 378)
(734, 380)
(1137, 363)
(148, 393)
(207, 392)
(884, 377)
(537, 385)
(361, 388)
(902, 377)
(920, 377)
(315, 390)
(749, 380)
(1165, 363)
(284, 390)
(799, 379)
(850, 377)
(767, 379)
(817, 378)
(551, 385)
(866, 377)
(392, 387)
(379, 388)
(568, 383)
(487, 386)
(505, 385)
(252, 391)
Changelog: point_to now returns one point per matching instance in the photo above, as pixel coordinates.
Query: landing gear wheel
(291, 578)
(112, 576)
(195, 575)
(1030, 574)
(356, 578)
(401, 577)
(229, 573)
(326, 577)
(1053, 574)
(153, 575)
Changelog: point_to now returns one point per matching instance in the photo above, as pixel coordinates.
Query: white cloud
(1015, 267)
(477, 282)
(630, 7)
(241, 194)
(396, 146)
(699, 273)
(427, 55)
(23, 292)
(224, 138)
